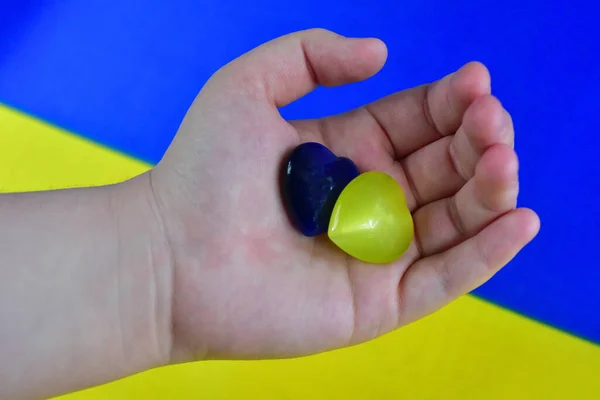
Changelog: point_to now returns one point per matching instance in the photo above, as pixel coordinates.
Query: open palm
(247, 284)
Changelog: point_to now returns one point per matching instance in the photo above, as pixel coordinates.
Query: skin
(197, 260)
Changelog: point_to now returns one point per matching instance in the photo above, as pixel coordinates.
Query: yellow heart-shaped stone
(370, 219)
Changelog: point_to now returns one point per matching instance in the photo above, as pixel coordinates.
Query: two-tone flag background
(92, 92)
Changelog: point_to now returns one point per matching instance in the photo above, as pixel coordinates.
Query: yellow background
(469, 350)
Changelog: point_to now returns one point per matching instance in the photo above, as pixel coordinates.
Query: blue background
(123, 74)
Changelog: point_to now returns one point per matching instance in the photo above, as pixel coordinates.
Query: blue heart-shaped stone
(313, 179)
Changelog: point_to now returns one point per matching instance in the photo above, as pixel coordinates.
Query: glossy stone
(313, 179)
(371, 221)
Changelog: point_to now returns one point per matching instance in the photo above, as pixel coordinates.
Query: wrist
(146, 270)
(85, 288)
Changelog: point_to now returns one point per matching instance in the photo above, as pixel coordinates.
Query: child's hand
(246, 284)
(197, 258)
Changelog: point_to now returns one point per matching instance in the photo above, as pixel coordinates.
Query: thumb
(289, 67)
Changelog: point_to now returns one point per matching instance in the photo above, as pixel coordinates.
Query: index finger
(416, 117)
